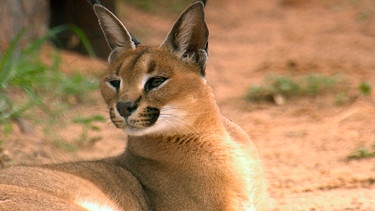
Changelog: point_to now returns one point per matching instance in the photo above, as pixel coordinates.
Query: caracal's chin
(171, 121)
(159, 127)
(133, 131)
(152, 130)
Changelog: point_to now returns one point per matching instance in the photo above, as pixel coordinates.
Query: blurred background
(37, 17)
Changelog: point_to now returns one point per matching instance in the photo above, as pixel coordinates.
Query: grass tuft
(276, 86)
(26, 82)
(362, 153)
(365, 88)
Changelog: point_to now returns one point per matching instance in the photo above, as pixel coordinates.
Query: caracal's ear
(188, 38)
(116, 34)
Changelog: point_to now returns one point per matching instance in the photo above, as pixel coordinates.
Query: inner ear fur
(117, 36)
(188, 38)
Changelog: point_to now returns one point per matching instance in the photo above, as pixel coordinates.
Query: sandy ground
(303, 143)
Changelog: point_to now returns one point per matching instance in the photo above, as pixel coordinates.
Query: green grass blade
(7, 58)
(85, 41)
(56, 30)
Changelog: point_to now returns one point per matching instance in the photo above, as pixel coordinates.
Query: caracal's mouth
(168, 120)
(137, 122)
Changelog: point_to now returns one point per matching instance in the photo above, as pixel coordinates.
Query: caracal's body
(182, 154)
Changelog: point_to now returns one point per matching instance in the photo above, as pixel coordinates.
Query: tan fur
(182, 154)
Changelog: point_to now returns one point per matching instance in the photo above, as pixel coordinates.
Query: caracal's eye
(115, 83)
(154, 82)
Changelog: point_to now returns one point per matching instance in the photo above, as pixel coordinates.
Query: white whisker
(174, 122)
(174, 117)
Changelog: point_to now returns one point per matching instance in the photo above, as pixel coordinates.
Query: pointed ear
(188, 38)
(116, 34)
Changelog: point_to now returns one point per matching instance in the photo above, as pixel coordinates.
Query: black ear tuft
(92, 2)
(204, 2)
(135, 41)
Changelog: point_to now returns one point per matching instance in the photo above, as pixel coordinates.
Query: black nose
(126, 108)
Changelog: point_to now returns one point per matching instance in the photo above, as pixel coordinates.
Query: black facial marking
(151, 67)
(152, 115)
(118, 68)
(112, 115)
(138, 57)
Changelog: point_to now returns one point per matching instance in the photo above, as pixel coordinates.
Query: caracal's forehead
(146, 60)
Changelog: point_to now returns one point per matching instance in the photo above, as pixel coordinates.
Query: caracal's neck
(171, 168)
(170, 148)
(207, 127)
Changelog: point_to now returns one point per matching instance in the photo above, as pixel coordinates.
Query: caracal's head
(156, 89)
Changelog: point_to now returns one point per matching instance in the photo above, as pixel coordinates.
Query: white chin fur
(154, 129)
(135, 131)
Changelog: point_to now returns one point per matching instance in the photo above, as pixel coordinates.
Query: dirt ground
(303, 143)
